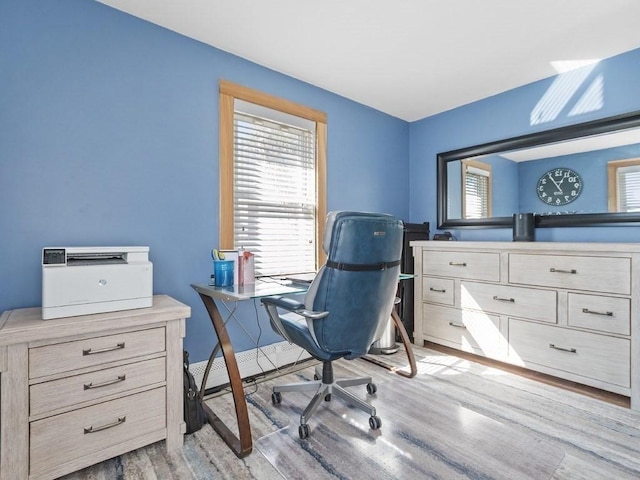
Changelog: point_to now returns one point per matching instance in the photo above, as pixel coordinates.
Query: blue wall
(562, 100)
(109, 136)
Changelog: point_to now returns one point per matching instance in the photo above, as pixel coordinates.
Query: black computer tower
(412, 231)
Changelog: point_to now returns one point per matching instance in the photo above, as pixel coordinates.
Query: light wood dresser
(570, 310)
(79, 390)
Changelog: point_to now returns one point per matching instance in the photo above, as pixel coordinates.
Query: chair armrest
(293, 306)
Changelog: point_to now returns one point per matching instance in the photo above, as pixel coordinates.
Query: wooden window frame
(612, 183)
(228, 93)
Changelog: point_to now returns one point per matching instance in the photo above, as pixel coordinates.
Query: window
(624, 185)
(272, 180)
(476, 191)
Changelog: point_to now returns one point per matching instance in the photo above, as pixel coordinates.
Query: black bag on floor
(194, 415)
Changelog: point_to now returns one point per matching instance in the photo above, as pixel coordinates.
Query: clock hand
(555, 183)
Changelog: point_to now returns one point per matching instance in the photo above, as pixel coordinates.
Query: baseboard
(250, 363)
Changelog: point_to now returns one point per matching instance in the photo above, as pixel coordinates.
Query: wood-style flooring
(458, 418)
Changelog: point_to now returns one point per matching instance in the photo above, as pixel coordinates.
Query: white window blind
(476, 193)
(628, 188)
(274, 194)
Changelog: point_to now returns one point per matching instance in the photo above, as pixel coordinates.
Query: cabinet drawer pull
(91, 351)
(456, 264)
(89, 386)
(93, 429)
(439, 290)
(510, 300)
(457, 325)
(593, 312)
(558, 270)
(570, 350)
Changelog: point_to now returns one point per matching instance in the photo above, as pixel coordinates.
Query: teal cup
(223, 273)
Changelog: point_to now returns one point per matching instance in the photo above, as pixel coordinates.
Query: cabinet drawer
(589, 355)
(470, 331)
(598, 274)
(439, 290)
(63, 438)
(64, 357)
(466, 265)
(58, 394)
(596, 312)
(516, 301)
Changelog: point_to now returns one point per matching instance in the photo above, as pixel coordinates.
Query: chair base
(325, 389)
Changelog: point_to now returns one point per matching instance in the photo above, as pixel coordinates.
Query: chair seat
(299, 333)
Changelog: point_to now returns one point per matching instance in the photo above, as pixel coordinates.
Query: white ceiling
(408, 58)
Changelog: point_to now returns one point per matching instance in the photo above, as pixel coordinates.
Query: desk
(241, 445)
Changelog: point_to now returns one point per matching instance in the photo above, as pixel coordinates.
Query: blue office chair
(346, 308)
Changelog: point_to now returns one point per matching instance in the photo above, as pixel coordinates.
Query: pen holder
(223, 273)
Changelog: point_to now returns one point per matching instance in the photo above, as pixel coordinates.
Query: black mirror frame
(605, 125)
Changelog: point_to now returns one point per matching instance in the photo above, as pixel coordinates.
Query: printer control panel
(54, 256)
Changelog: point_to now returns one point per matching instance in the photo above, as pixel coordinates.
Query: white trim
(250, 363)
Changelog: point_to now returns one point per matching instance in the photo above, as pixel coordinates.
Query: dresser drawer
(589, 355)
(597, 312)
(466, 265)
(470, 331)
(598, 274)
(438, 290)
(65, 357)
(515, 301)
(63, 438)
(66, 392)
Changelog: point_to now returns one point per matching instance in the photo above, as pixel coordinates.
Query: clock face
(559, 186)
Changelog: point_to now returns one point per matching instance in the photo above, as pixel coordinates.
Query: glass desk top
(246, 292)
(262, 288)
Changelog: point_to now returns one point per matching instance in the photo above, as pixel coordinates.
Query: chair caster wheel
(327, 397)
(316, 377)
(371, 388)
(303, 431)
(374, 422)
(276, 398)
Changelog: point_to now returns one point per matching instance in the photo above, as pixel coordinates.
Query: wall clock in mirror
(559, 186)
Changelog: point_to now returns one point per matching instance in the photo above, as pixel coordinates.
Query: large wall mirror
(584, 174)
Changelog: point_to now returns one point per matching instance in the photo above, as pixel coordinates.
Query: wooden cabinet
(564, 309)
(79, 390)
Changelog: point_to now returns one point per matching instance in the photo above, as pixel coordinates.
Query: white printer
(84, 280)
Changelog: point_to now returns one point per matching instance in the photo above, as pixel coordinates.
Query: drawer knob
(593, 312)
(559, 270)
(564, 349)
(439, 290)
(458, 264)
(91, 351)
(93, 429)
(89, 386)
(500, 299)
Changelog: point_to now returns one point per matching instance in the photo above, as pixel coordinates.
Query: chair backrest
(358, 284)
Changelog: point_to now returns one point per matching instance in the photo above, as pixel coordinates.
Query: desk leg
(241, 446)
(407, 348)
